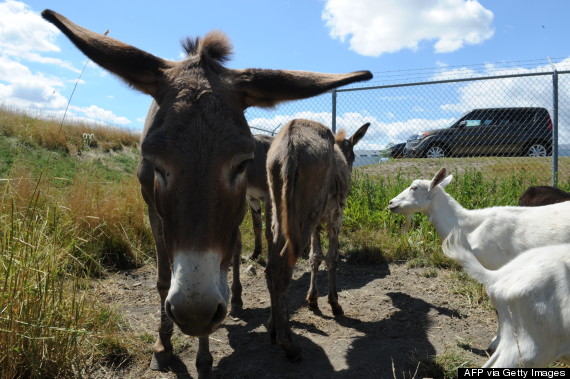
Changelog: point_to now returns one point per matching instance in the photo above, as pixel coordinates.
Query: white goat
(532, 296)
(497, 234)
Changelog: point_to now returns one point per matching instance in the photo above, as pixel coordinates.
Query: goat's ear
(267, 88)
(438, 178)
(446, 181)
(356, 137)
(138, 68)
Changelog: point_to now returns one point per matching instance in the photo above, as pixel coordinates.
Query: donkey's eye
(160, 173)
(413, 188)
(241, 167)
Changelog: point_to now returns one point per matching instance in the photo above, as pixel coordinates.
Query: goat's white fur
(497, 234)
(532, 296)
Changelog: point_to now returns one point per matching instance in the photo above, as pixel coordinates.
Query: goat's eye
(413, 188)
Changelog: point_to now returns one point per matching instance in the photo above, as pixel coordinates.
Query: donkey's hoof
(204, 365)
(337, 309)
(313, 306)
(272, 332)
(236, 303)
(205, 373)
(236, 310)
(160, 361)
(294, 354)
(255, 255)
(273, 336)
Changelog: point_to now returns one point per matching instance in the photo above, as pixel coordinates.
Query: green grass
(370, 232)
(446, 364)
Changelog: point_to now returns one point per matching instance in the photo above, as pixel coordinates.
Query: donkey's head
(195, 148)
(346, 145)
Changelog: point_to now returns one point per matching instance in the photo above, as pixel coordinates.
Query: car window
(517, 116)
(479, 119)
(470, 123)
(498, 117)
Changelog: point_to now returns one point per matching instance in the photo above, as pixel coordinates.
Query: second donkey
(308, 171)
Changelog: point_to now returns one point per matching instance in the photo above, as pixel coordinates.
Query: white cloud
(530, 91)
(97, 113)
(23, 89)
(378, 136)
(23, 30)
(456, 73)
(10, 70)
(24, 34)
(506, 92)
(347, 121)
(26, 37)
(375, 27)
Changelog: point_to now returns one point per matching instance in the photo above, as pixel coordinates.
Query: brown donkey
(308, 172)
(195, 148)
(258, 191)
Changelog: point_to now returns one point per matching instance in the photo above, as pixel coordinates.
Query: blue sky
(39, 66)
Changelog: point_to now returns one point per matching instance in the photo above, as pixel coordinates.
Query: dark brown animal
(258, 192)
(195, 148)
(543, 195)
(309, 174)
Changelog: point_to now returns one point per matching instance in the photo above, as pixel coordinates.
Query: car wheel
(435, 151)
(537, 150)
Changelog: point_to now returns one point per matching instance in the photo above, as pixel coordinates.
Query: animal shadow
(395, 345)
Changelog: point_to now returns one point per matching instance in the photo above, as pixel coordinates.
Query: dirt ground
(395, 318)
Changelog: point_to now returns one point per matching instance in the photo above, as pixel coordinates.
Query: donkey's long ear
(138, 68)
(266, 88)
(356, 137)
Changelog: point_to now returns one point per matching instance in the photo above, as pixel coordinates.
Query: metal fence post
(333, 123)
(554, 125)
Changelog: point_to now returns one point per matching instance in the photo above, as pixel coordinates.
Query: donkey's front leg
(204, 359)
(332, 262)
(236, 301)
(162, 349)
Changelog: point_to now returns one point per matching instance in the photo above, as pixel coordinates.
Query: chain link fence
(515, 117)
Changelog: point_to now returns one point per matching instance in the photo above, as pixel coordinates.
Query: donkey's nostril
(220, 314)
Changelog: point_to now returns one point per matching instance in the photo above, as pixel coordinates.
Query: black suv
(492, 131)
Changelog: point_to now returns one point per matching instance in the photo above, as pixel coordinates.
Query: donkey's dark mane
(215, 45)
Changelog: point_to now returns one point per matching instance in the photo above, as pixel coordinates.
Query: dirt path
(395, 317)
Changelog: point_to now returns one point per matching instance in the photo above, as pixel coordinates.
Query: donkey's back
(299, 195)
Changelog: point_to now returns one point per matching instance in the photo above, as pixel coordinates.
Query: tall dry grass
(52, 242)
(54, 238)
(50, 133)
